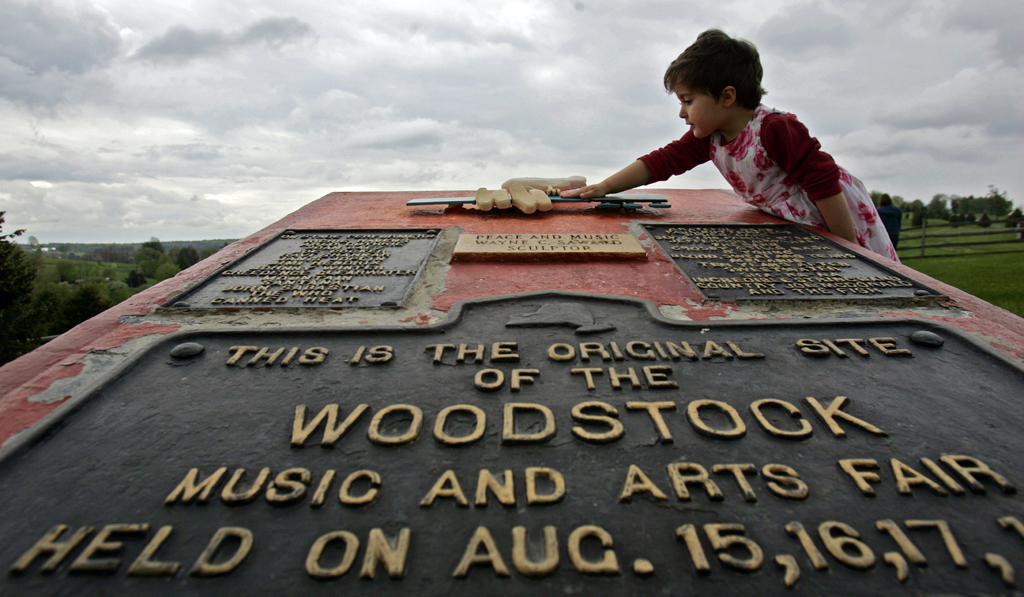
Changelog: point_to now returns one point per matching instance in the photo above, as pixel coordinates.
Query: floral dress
(761, 182)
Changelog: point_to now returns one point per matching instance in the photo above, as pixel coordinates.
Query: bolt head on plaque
(187, 350)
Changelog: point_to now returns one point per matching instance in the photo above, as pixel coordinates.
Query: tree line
(43, 294)
(960, 210)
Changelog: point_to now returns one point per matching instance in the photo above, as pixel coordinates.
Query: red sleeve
(800, 156)
(677, 157)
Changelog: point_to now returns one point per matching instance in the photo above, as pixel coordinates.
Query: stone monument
(372, 398)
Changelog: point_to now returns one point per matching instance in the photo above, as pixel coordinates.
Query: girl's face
(702, 112)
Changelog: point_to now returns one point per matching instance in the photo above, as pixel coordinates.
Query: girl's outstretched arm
(837, 216)
(633, 175)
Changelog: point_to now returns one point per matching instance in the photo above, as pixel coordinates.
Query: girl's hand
(588, 192)
(631, 176)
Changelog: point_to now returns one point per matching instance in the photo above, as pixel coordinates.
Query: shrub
(1012, 219)
(166, 270)
(136, 279)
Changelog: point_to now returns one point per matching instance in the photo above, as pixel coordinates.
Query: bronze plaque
(537, 444)
(331, 269)
(740, 262)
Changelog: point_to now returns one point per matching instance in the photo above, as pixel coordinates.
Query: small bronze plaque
(319, 269)
(539, 444)
(772, 262)
(547, 247)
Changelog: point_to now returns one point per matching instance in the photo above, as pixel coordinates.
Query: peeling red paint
(59, 359)
(23, 414)
(420, 319)
(18, 413)
(706, 313)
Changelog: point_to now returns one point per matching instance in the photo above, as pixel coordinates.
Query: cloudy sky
(121, 120)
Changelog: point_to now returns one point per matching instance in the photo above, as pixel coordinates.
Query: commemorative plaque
(535, 444)
(547, 247)
(319, 269)
(772, 262)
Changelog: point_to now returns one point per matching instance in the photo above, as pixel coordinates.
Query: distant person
(767, 156)
(892, 218)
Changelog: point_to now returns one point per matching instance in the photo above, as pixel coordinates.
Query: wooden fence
(1015, 244)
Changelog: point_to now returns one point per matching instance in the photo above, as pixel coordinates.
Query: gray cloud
(994, 105)
(181, 44)
(188, 152)
(41, 36)
(253, 121)
(806, 27)
(1004, 19)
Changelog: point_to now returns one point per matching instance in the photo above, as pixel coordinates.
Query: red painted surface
(656, 279)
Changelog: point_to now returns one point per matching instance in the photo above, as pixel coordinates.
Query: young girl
(767, 156)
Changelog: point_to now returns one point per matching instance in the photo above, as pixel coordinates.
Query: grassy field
(52, 269)
(998, 279)
(993, 272)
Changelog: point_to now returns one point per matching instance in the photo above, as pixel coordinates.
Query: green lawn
(993, 272)
(996, 278)
(53, 269)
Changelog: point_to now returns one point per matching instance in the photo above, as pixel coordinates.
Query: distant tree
(35, 256)
(1013, 218)
(154, 243)
(996, 202)
(47, 308)
(984, 222)
(149, 259)
(136, 279)
(116, 253)
(16, 276)
(917, 206)
(187, 257)
(938, 208)
(208, 251)
(87, 300)
(66, 271)
(166, 270)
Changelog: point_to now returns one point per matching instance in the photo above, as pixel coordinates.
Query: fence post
(1020, 229)
(924, 227)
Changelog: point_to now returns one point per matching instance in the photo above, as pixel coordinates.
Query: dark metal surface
(115, 456)
(778, 262)
(331, 269)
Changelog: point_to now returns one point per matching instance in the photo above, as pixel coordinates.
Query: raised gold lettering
(637, 481)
